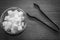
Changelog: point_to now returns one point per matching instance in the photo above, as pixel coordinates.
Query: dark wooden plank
(34, 30)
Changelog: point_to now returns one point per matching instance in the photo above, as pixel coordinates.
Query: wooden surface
(34, 31)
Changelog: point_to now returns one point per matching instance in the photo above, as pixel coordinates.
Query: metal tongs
(34, 18)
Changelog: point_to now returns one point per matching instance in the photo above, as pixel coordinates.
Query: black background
(34, 31)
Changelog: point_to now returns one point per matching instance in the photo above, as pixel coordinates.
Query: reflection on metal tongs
(39, 20)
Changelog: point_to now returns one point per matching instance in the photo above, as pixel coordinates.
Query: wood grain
(34, 30)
